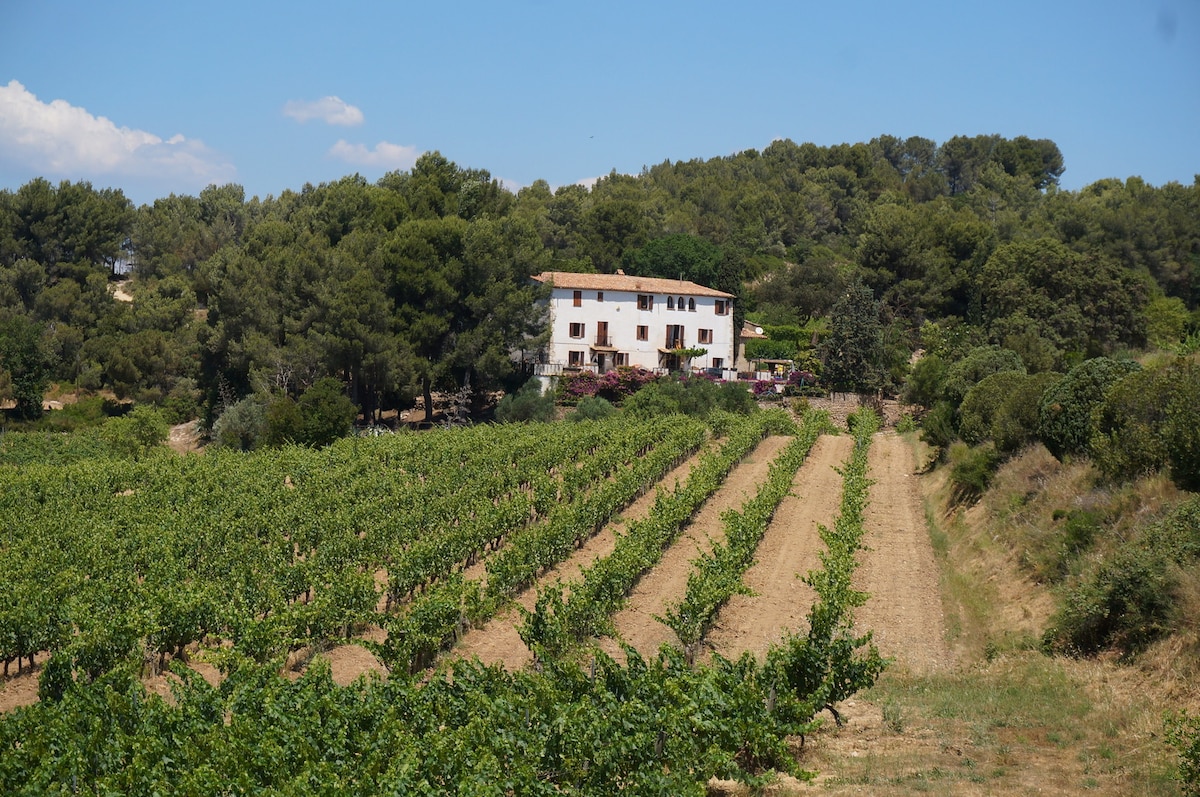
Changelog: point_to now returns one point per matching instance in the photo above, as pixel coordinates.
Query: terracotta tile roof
(624, 282)
(752, 332)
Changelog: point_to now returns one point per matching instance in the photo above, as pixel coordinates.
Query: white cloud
(330, 110)
(61, 139)
(590, 182)
(384, 155)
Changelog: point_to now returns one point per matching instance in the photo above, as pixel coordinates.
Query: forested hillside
(417, 282)
(1044, 342)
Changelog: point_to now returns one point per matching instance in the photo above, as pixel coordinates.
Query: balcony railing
(674, 342)
(604, 340)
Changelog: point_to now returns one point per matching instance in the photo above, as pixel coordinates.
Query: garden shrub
(527, 404)
(137, 433)
(923, 387)
(694, 396)
(615, 385)
(971, 470)
(241, 426)
(1182, 430)
(1015, 424)
(1183, 733)
(320, 416)
(802, 383)
(980, 362)
(592, 408)
(1128, 600)
(283, 421)
(1128, 425)
(937, 427)
(182, 404)
(1124, 603)
(1065, 412)
(981, 406)
(326, 413)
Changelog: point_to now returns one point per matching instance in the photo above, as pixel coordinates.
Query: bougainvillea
(614, 385)
(763, 386)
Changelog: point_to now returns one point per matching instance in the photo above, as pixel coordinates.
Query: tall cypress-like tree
(853, 352)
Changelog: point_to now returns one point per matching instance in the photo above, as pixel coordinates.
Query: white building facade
(601, 321)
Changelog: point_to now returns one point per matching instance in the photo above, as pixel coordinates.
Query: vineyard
(114, 570)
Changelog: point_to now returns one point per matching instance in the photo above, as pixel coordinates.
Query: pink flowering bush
(615, 385)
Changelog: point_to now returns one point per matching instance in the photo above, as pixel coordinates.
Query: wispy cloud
(384, 155)
(330, 110)
(61, 139)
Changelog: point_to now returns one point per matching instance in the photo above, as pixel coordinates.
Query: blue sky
(164, 97)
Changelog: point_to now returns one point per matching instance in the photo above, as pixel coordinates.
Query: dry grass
(1011, 720)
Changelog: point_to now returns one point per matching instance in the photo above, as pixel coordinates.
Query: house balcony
(604, 342)
(674, 342)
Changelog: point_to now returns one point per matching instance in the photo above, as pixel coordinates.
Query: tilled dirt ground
(497, 642)
(898, 571)
(780, 600)
(666, 584)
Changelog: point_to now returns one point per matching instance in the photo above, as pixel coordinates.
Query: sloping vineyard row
(717, 575)
(649, 726)
(108, 555)
(557, 622)
(437, 619)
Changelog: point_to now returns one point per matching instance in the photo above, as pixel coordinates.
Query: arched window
(691, 304)
(670, 302)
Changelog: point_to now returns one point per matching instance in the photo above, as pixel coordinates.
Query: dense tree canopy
(418, 281)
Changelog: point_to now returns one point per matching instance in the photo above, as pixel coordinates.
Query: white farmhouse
(600, 321)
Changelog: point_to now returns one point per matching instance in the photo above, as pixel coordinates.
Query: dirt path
(498, 641)
(780, 600)
(667, 582)
(899, 571)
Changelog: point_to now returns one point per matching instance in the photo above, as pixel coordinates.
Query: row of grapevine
(659, 726)
(482, 525)
(717, 575)
(645, 727)
(437, 619)
(555, 624)
(120, 560)
(830, 663)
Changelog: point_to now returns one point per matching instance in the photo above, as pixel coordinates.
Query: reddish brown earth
(19, 690)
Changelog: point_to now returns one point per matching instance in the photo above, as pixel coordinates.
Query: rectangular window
(705, 336)
(674, 336)
(718, 362)
(575, 358)
(643, 333)
(620, 358)
(576, 330)
(577, 298)
(645, 301)
(722, 307)
(599, 296)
